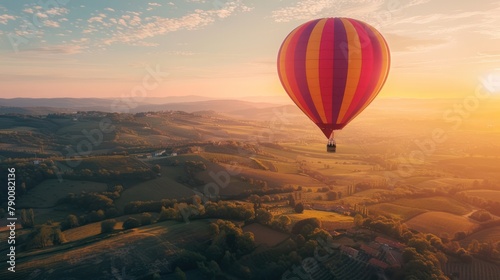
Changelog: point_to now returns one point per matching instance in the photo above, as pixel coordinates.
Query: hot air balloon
(332, 69)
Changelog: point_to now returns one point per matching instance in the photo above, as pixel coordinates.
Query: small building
(390, 243)
(369, 250)
(349, 251)
(378, 263)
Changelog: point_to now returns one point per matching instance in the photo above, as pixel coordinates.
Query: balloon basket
(331, 148)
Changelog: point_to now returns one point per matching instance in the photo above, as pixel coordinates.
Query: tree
(146, 219)
(156, 168)
(27, 218)
(300, 225)
(168, 214)
(58, 237)
(331, 195)
(72, 221)
(299, 208)
(263, 216)
(358, 220)
(108, 225)
(131, 223)
(460, 235)
(179, 274)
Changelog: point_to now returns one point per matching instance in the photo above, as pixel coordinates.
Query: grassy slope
(440, 222)
(437, 203)
(136, 251)
(49, 192)
(486, 194)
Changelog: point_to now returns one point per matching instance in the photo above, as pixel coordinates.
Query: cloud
(54, 50)
(403, 43)
(51, 23)
(57, 11)
(95, 19)
(310, 9)
(302, 10)
(5, 18)
(132, 29)
(154, 4)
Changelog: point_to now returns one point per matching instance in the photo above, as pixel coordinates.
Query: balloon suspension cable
(331, 140)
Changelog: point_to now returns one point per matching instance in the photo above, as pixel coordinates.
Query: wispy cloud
(304, 9)
(132, 28)
(51, 23)
(5, 18)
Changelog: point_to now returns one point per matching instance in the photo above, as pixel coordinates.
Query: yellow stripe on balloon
(312, 68)
(354, 69)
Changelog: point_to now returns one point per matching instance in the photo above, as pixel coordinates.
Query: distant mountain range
(42, 106)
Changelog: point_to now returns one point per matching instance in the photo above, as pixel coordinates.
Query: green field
(437, 203)
(485, 194)
(47, 193)
(156, 189)
(441, 222)
(122, 164)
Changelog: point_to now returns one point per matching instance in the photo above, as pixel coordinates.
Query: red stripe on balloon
(376, 71)
(340, 67)
(366, 70)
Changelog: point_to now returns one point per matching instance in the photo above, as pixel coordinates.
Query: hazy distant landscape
(230, 189)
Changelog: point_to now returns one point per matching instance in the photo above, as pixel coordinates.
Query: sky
(228, 49)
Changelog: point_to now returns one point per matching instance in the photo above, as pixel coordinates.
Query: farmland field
(437, 203)
(265, 235)
(486, 194)
(440, 222)
(50, 191)
(486, 235)
(476, 270)
(323, 216)
(155, 189)
(93, 229)
(137, 251)
(395, 211)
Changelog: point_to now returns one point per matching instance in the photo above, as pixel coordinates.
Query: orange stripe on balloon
(312, 68)
(354, 70)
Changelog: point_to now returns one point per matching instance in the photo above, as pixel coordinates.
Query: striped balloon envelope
(333, 68)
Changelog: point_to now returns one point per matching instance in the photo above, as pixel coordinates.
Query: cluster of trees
(228, 244)
(72, 221)
(484, 250)
(481, 216)
(490, 205)
(264, 217)
(27, 218)
(45, 235)
(423, 256)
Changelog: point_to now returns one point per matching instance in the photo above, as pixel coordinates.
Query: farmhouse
(378, 263)
(390, 243)
(349, 251)
(369, 250)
